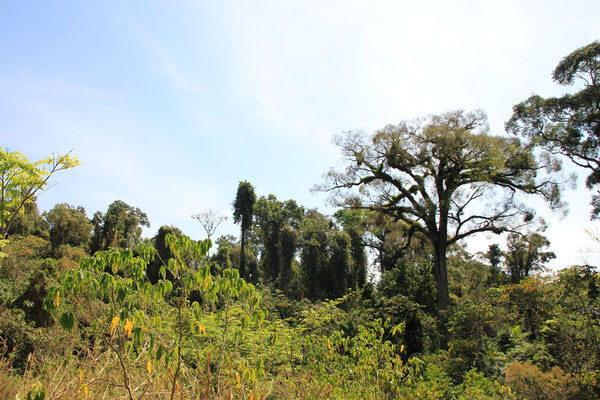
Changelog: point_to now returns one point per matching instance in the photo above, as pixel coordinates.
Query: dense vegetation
(91, 309)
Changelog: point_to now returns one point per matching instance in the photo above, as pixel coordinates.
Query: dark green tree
(243, 208)
(353, 223)
(526, 254)
(163, 253)
(271, 217)
(325, 258)
(313, 255)
(494, 256)
(433, 173)
(68, 226)
(568, 125)
(223, 258)
(338, 268)
(120, 227)
(288, 244)
(29, 222)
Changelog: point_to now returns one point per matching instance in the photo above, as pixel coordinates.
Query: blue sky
(168, 105)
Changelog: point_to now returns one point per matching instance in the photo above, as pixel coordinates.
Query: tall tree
(243, 208)
(526, 254)
(353, 223)
(313, 255)
(210, 220)
(68, 226)
(494, 256)
(21, 180)
(163, 254)
(120, 227)
(271, 217)
(430, 173)
(568, 125)
(288, 244)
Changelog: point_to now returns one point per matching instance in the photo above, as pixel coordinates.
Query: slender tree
(243, 208)
(525, 254)
(434, 173)
(210, 220)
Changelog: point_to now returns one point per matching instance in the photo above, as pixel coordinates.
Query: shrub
(528, 381)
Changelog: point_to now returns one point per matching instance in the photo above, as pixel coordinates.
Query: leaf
(67, 320)
(150, 342)
(273, 338)
(57, 298)
(159, 352)
(149, 367)
(245, 321)
(121, 294)
(128, 328)
(113, 324)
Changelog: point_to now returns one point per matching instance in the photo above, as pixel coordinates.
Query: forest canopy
(381, 300)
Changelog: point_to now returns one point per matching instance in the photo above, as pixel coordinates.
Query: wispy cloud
(162, 58)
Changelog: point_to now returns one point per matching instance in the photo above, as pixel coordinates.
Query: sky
(169, 104)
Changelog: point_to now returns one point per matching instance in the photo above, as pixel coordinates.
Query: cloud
(161, 57)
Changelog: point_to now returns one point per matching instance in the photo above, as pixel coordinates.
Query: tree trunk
(441, 279)
(243, 256)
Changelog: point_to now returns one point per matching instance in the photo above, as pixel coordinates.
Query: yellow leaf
(85, 392)
(113, 324)
(201, 328)
(128, 328)
(80, 376)
(251, 395)
(401, 348)
(149, 367)
(57, 299)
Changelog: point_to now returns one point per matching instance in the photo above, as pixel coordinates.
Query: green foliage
(119, 228)
(477, 386)
(525, 255)
(325, 258)
(276, 230)
(568, 125)
(21, 180)
(530, 382)
(68, 226)
(37, 392)
(113, 298)
(473, 329)
(243, 211)
(412, 280)
(429, 174)
(29, 222)
(161, 319)
(528, 303)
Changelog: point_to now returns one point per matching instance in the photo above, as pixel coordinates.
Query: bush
(530, 382)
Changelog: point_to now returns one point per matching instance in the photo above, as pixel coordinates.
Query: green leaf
(121, 294)
(67, 320)
(159, 352)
